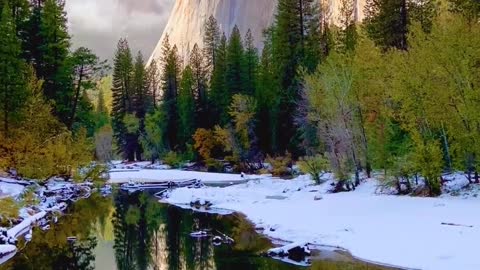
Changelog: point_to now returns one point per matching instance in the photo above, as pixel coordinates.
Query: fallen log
(456, 225)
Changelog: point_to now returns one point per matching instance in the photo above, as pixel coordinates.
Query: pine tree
(122, 94)
(424, 12)
(153, 83)
(170, 78)
(268, 98)
(53, 53)
(235, 55)
(387, 22)
(250, 64)
(12, 68)
(32, 50)
(296, 27)
(21, 12)
(200, 86)
(85, 69)
(186, 107)
(142, 102)
(219, 94)
(348, 31)
(211, 41)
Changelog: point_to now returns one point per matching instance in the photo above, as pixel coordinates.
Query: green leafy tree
(153, 139)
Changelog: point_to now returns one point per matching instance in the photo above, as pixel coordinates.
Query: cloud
(99, 24)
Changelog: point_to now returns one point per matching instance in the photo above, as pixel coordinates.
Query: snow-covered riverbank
(418, 233)
(151, 176)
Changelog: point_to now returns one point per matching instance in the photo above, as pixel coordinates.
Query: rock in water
(185, 26)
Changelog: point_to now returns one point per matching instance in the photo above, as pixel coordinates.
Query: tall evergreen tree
(122, 94)
(21, 13)
(170, 78)
(211, 41)
(235, 55)
(386, 23)
(268, 98)
(186, 107)
(12, 68)
(32, 52)
(219, 94)
(142, 101)
(53, 53)
(200, 85)
(348, 31)
(85, 69)
(153, 83)
(295, 22)
(250, 64)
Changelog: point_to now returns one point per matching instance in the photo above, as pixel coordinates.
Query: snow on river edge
(403, 231)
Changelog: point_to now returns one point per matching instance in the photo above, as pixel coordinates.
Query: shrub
(314, 166)
(173, 159)
(204, 142)
(29, 198)
(9, 209)
(214, 165)
(280, 165)
(428, 158)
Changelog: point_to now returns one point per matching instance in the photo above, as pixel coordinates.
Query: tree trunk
(75, 100)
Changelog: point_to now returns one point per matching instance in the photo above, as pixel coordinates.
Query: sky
(99, 24)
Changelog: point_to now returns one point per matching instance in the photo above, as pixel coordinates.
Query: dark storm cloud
(98, 24)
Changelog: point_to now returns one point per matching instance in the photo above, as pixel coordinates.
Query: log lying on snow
(293, 250)
(7, 249)
(25, 225)
(7, 252)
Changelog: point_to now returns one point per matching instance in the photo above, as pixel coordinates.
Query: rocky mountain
(185, 27)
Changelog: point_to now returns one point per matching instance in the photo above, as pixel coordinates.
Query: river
(130, 232)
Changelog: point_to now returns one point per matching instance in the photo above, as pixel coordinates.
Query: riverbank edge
(282, 242)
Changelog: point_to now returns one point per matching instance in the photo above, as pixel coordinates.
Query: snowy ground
(10, 190)
(401, 231)
(149, 175)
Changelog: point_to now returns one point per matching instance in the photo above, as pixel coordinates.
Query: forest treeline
(397, 93)
(47, 117)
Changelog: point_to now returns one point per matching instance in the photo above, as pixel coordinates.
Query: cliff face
(185, 27)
